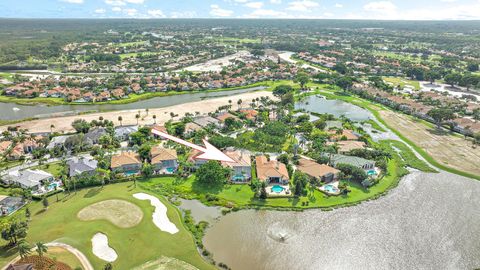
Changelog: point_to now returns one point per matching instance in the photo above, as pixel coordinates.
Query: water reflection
(430, 221)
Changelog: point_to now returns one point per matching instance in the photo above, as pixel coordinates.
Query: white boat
(16, 109)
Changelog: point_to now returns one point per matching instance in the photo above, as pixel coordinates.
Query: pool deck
(335, 184)
(285, 192)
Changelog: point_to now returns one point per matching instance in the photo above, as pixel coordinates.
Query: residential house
(5, 146)
(191, 128)
(352, 160)
(321, 172)
(58, 141)
(127, 163)
(345, 134)
(250, 114)
(29, 179)
(206, 120)
(93, 136)
(223, 116)
(164, 160)
(241, 166)
(81, 165)
(271, 171)
(123, 132)
(347, 146)
(194, 158)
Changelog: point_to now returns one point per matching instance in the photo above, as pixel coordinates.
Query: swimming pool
(277, 189)
(52, 186)
(371, 172)
(170, 169)
(130, 173)
(330, 188)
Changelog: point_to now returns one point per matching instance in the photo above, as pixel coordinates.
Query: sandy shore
(63, 124)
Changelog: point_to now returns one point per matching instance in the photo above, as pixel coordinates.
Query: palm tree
(41, 249)
(239, 102)
(154, 119)
(137, 116)
(146, 110)
(100, 118)
(120, 120)
(23, 248)
(108, 266)
(52, 126)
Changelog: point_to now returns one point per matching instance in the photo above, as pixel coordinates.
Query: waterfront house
(163, 160)
(241, 166)
(342, 135)
(271, 171)
(194, 158)
(352, 160)
(321, 172)
(93, 136)
(126, 163)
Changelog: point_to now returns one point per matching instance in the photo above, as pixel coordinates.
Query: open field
(63, 124)
(134, 246)
(448, 150)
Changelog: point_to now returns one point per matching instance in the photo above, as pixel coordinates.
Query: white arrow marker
(210, 152)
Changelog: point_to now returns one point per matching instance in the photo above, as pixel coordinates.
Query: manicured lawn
(53, 168)
(134, 246)
(402, 82)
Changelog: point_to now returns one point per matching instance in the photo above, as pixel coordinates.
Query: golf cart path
(86, 265)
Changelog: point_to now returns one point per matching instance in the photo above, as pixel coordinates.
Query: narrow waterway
(12, 111)
(430, 221)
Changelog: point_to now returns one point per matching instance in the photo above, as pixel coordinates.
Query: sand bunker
(121, 213)
(101, 249)
(160, 218)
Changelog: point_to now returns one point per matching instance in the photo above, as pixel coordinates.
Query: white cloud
(328, 14)
(115, 2)
(135, 1)
(305, 5)
(217, 11)
(116, 9)
(380, 7)
(256, 5)
(100, 11)
(338, 5)
(156, 13)
(183, 14)
(73, 1)
(131, 12)
(241, 1)
(266, 13)
(448, 1)
(276, 1)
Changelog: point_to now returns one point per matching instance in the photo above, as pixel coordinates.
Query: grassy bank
(134, 246)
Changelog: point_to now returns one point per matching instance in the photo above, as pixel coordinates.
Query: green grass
(375, 125)
(54, 168)
(402, 82)
(7, 76)
(134, 246)
(407, 155)
(63, 255)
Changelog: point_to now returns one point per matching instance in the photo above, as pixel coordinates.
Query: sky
(297, 9)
